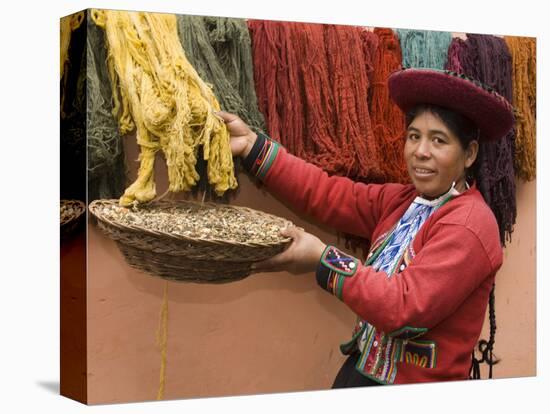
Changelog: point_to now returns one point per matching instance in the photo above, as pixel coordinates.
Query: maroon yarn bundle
(454, 54)
(488, 59)
(312, 83)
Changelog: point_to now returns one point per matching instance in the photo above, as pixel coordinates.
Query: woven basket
(188, 259)
(70, 216)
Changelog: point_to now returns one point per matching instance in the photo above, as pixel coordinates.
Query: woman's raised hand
(304, 252)
(242, 137)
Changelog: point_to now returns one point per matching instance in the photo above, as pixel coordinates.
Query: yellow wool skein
(68, 24)
(158, 92)
(524, 75)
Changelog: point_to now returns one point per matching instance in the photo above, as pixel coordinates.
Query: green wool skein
(424, 48)
(106, 163)
(219, 48)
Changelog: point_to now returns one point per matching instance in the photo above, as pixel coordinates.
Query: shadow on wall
(261, 285)
(210, 294)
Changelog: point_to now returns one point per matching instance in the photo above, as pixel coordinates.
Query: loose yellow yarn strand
(162, 341)
(159, 91)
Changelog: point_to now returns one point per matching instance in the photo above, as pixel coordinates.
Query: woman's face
(435, 158)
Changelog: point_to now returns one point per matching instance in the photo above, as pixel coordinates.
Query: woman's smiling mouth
(423, 172)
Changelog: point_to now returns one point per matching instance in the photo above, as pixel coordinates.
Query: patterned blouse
(405, 230)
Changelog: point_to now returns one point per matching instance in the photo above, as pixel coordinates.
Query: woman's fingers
(226, 116)
(291, 231)
(282, 260)
(274, 264)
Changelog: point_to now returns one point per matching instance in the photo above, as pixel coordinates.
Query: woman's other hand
(242, 137)
(302, 256)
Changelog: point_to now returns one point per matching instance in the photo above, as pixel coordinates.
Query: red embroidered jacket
(421, 323)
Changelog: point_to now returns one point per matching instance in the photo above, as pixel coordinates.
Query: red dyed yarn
(312, 86)
(370, 46)
(388, 121)
(265, 52)
(315, 143)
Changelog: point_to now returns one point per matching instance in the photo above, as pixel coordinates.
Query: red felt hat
(491, 112)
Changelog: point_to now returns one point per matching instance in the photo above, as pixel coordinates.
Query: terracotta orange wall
(515, 293)
(266, 333)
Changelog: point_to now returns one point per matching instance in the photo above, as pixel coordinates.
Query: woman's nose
(422, 149)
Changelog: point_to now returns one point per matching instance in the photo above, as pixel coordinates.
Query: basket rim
(80, 209)
(95, 205)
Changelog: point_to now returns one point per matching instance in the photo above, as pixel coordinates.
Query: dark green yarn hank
(219, 49)
(106, 163)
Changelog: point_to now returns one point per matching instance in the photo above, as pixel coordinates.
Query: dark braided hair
(486, 347)
(467, 131)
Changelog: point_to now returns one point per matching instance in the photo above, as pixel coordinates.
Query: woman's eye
(439, 140)
(413, 137)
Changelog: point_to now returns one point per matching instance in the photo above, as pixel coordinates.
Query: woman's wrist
(318, 254)
(250, 141)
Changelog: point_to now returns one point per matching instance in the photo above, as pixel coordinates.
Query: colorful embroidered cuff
(261, 156)
(333, 268)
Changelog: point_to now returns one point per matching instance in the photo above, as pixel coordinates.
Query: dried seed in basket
(201, 222)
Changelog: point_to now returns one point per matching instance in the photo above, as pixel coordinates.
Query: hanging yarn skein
(424, 48)
(370, 47)
(265, 55)
(350, 85)
(455, 53)
(106, 163)
(158, 92)
(524, 76)
(219, 48)
(67, 26)
(230, 39)
(312, 86)
(73, 120)
(304, 115)
(487, 59)
(277, 77)
(388, 120)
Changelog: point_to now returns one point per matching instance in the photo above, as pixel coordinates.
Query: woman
(421, 296)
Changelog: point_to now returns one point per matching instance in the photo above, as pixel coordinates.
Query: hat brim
(491, 112)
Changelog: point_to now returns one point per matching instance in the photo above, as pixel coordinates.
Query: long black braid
(467, 131)
(486, 347)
